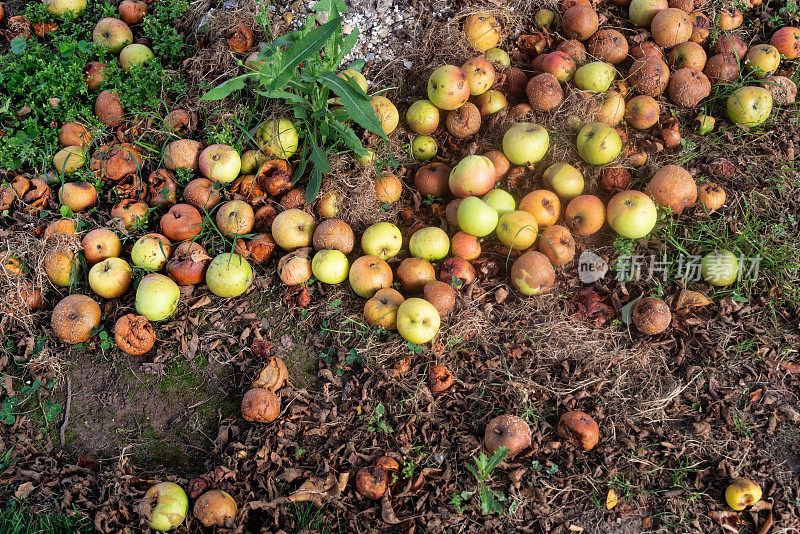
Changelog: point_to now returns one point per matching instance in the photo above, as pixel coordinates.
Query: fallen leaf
(691, 299)
(768, 522)
(727, 519)
(611, 499)
(387, 512)
(791, 367)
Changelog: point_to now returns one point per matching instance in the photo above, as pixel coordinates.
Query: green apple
(151, 252)
(157, 297)
(382, 240)
(500, 200)
(168, 506)
(631, 214)
(642, 12)
(595, 76)
(525, 143)
(229, 275)
(598, 143)
(762, 60)
(499, 56)
(417, 320)
(749, 105)
(330, 266)
(110, 278)
(429, 243)
(720, 268)
(366, 158)
(134, 55)
(278, 138)
(360, 79)
(424, 148)
(422, 117)
(69, 159)
(517, 230)
(704, 124)
(476, 217)
(564, 179)
(65, 9)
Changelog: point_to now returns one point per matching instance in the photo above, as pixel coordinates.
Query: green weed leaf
(302, 50)
(226, 88)
(355, 101)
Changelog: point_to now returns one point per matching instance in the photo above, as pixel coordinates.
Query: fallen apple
(134, 55)
(168, 506)
(110, 278)
(580, 429)
(482, 31)
(75, 317)
(424, 148)
(112, 34)
(381, 309)
(151, 252)
(525, 143)
(422, 117)
(595, 76)
(720, 268)
(99, 244)
(476, 217)
(414, 273)
(742, 493)
(369, 274)
(631, 214)
(382, 240)
(431, 243)
(564, 179)
(229, 275)
(500, 200)
(544, 205)
(278, 138)
(473, 175)
(417, 320)
(598, 143)
(65, 9)
(448, 87)
(157, 297)
(214, 508)
(507, 431)
(651, 316)
(532, 273)
(220, 163)
(295, 268)
(517, 230)
(293, 229)
(749, 105)
(330, 266)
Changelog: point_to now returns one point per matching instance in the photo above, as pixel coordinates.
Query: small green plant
(408, 468)
(460, 500)
(299, 68)
(491, 500)
(376, 421)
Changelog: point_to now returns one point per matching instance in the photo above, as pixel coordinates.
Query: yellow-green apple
(382, 240)
(381, 308)
(720, 268)
(151, 252)
(99, 244)
(490, 102)
(330, 266)
(369, 274)
(112, 34)
(557, 244)
(599, 143)
(448, 87)
(359, 79)
(111, 278)
(252, 160)
(525, 143)
(749, 105)
(517, 230)
(417, 320)
(295, 268)
(422, 117)
(293, 229)
(762, 60)
(631, 214)
(480, 75)
(642, 12)
(75, 317)
(465, 246)
(77, 196)
(61, 268)
(167, 506)
(278, 138)
(482, 31)
(595, 76)
(429, 243)
(386, 112)
(94, 75)
(612, 110)
(499, 56)
(134, 55)
(423, 148)
(704, 124)
(65, 9)
(328, 204)
(157, 297)
(69, 159)
(473, 175)
(229, 275)
(414, 273)
(366, 157)
(476, 217)
(787, 41)
(544, 205)
(564, 179)
(585, 214)
(532, 273)
(219, 163)
(742, 493)
(500, 200)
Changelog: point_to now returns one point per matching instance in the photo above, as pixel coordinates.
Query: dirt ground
(715, 397)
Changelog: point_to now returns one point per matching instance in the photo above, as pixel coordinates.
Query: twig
(63, 430)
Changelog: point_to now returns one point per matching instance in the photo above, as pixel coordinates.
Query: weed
(16, 519)
(482, 471)
(376, 422)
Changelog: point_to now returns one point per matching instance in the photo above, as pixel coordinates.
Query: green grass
(16, 518)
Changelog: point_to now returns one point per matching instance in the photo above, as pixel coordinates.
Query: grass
(17, 518)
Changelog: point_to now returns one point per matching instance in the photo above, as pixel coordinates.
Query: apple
(787, 41)
(252, 160)
(749, 105)
(525, 143)
(532, 273)
(465, 246)
(77, 196)
(382, 240)
(414, 273)
(61, 268)
(157, 297)
(168, 506)
(220, 163)
(480, 75)
(429, 243)
(544, 205)
(386, 112)
(293, 229)
(130, 213)
(357, 77)
(448, 87)
(598, 143)
(295, 268)
(132, 11)
(441, 295)
(111, 278)
(99, 244)
(476, 217)
(181, 222)
(188, 264)
(61, 226)
(762, 60)
(517, 230)
(612, 110)
(482, 31)
(564, 179)
(500, 200)
(720, 268)
(631, 214)
(202, 194)
(330, 266)
(134, 55)
(381, 308)
(642, 12)
(229, 275)
(74, 134)
(112, 34)
(473, 175)
(742, 493)
(388, 189)
(423, 148)
(69, 159)
(182, 154)
(417, 320)
(65, 9)
(595, 76)
(278, 138)
(704, 124)
(151, 252)
(422, 117)
(75, 317)
(366, 158)
(94, 75)
(369, 274)
(557, 244)
(499, 56)
(328, 204)
(214, 508)
(585, 214)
